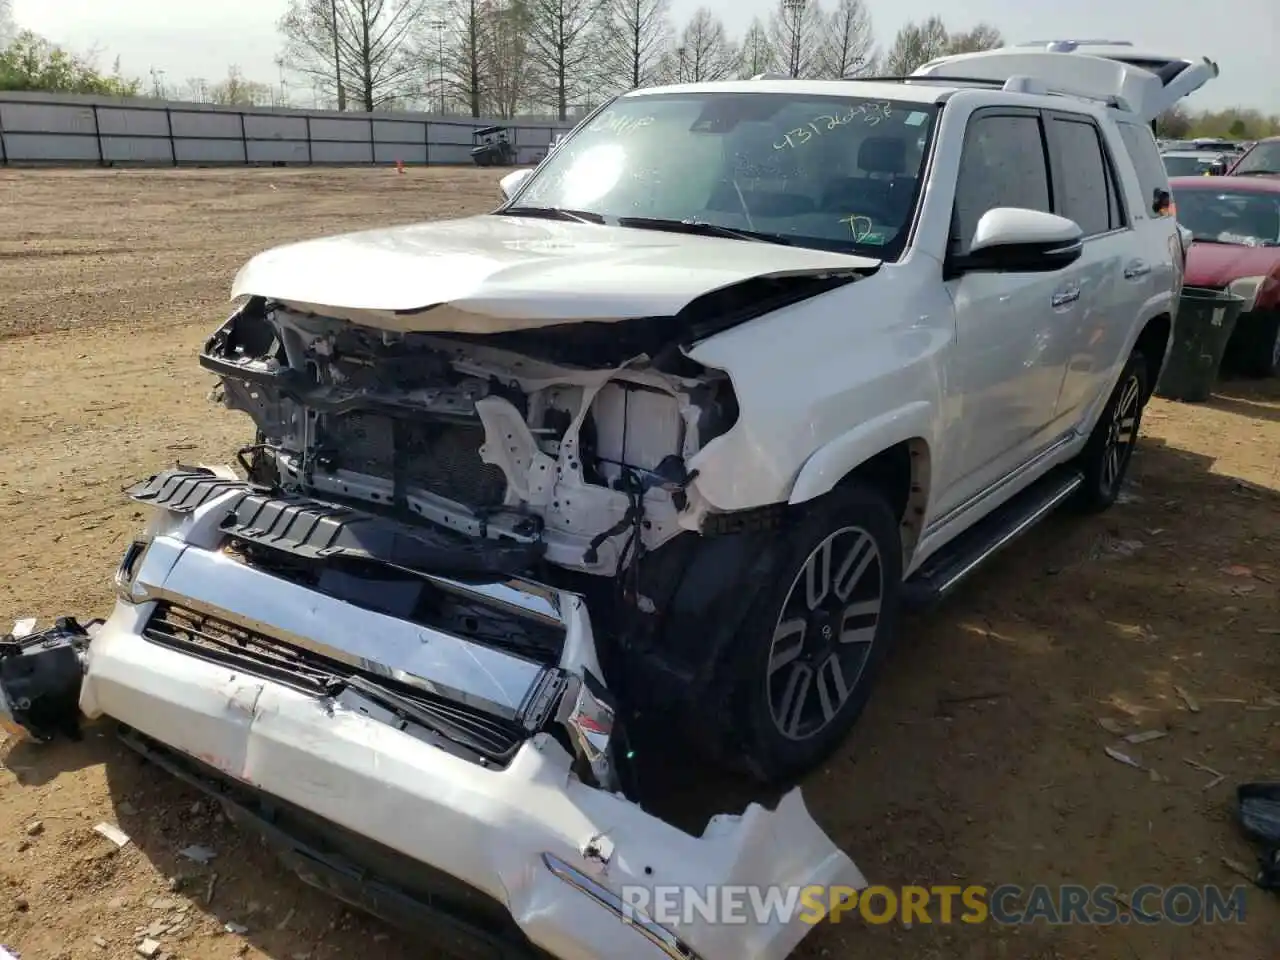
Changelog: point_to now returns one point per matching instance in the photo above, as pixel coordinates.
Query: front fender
(830, 463)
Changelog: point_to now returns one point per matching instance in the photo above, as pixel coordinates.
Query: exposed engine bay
(585, 467)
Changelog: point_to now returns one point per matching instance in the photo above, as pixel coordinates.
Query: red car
(1235, 227)
(1260, 160)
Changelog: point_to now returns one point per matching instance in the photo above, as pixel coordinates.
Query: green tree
(32, 63)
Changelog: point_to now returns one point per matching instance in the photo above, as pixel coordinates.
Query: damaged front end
(581, 459)
(419, 727)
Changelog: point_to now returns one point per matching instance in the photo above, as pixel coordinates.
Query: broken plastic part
(40, 677)
(588, 713)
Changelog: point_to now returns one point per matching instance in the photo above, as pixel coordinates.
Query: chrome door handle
(1065, 298)
(1136, 270)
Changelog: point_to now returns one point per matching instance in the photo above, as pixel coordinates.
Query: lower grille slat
(211, 637)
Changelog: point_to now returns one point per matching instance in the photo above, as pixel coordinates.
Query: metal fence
(49, 129)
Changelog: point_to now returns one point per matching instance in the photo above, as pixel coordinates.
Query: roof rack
(1067, 46)
(1013, 84)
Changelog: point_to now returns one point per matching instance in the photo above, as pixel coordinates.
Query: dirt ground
(980, 760)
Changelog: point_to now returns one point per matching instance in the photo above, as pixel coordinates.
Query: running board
(943, 571)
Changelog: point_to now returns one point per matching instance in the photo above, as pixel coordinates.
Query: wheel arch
(890, 454)
(1154, 341)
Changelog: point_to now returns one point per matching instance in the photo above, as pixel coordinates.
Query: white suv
(737, 371)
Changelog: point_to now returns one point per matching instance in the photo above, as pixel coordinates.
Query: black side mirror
(1162, 202)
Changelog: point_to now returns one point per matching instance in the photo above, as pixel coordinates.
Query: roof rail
(1014, 84)
(1068, 46)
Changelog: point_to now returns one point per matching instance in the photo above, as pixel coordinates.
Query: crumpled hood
(487, 274)
(1218, 264)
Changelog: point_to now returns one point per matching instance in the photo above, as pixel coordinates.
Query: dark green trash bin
(1206, 320)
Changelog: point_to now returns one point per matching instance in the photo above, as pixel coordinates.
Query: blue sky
(186, 38)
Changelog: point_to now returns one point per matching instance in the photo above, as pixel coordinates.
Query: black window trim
(1108, 161)
(1001, 110)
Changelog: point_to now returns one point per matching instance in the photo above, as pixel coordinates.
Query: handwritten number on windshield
(871, 114)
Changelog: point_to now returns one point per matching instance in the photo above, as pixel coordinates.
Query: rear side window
(1002, 165)
(1084, 186)
(1152, 174)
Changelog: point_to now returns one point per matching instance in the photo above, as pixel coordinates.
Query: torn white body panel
(531, 834)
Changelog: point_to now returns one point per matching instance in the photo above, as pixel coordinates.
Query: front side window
(1230, 216)
(835, 173)
(1263, 159)
(1002, 165)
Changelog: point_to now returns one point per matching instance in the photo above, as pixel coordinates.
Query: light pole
(439, 27)
(680, 67)
(794, 10)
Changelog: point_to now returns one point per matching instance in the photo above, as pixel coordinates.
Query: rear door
(1112, 278)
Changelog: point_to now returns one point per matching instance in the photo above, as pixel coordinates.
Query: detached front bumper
(554, 853)
(451, 807)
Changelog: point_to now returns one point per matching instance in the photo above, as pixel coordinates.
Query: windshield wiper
(1257, 173)
(702, 229)
(554, 213)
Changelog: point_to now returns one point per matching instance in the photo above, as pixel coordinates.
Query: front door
(1010, 353)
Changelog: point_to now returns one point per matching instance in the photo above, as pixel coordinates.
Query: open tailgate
(1142, 82)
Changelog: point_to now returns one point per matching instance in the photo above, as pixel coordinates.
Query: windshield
(1231, 216)
(1263, 158)
(836, 173)
(1187, 166)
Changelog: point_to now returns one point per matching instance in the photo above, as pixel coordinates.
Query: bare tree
(795, 34)
(370, 48)
(981, 37)
(634, 36)
(195, 90)
(235, 90)
(756, 53)
(506, 49)
(915, 45)
(847, 44)
(704, 51)
(560, 51)
(465, 63)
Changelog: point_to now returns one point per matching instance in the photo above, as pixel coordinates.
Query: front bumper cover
(510, 859)
(492, 830)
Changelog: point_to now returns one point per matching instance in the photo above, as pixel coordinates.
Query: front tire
(816, 638)
(1105, 458)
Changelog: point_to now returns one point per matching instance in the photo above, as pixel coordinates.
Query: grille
(440, 457)
(256, 653)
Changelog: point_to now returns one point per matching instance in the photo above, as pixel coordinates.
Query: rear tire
(1105, 458)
